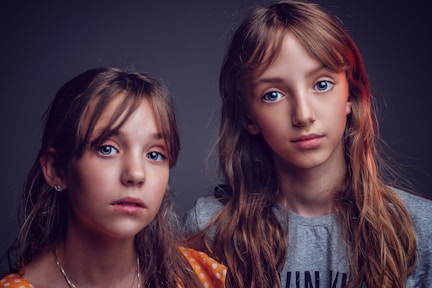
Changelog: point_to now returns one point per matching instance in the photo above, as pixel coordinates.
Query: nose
(133, 173)
(302, 110)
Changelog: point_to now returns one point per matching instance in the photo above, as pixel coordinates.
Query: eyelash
(272, 94)
(101, 150)
(154, 153)
(329, 84)
(151, 155)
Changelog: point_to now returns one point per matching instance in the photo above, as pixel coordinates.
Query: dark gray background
(183, 42)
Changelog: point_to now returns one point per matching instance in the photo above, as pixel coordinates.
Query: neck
(84, 271)
(96, 261)
(310, 192)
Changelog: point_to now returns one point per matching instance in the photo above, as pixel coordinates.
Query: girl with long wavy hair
(306, 200)
(95, 209)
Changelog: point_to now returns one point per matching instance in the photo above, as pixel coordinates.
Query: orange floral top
(210, 272)
(15, 281)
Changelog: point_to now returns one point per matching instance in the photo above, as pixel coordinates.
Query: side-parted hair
(44, 212)
(249, 239)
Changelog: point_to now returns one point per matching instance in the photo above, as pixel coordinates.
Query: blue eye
(107, 150)
(155, 156)
(323, 86)
(272, 96)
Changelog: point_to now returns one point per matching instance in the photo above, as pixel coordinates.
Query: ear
(348, 107)
(53, 176)
(250, 126)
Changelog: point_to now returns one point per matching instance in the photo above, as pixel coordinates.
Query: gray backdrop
(183, 42)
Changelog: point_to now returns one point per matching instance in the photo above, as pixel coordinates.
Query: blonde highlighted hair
(378, 231)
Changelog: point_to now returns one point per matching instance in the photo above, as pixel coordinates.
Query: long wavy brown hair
(379, 235)
(44, 212)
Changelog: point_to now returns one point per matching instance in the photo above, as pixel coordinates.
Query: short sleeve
(190, 221)
(210, 272)
(15, 281)
(204, 210)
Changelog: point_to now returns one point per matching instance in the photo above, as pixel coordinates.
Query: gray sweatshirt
(317, 253)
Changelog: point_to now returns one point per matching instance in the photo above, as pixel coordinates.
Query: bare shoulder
(43, 272)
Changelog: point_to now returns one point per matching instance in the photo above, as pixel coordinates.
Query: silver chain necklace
(69, 282)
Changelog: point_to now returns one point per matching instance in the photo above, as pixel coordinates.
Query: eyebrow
(118, 132)
(272, 80)
(276, 80)
(156, 135)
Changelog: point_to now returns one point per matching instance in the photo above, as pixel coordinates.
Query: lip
(128, 205)
(308, 141)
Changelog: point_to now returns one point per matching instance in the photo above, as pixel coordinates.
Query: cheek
(163, 184)
(87, 183)
(339, 110)
(340, 120)
(276, 123)
(157, 185)
(74, 179)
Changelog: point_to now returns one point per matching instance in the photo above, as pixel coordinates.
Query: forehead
(288, 54)
(305, 51)
(99, 115)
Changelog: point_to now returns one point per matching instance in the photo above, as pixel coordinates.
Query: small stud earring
(57, 188)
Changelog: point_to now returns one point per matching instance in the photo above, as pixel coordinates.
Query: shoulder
(205, 208)
(210, 272)
(418, 207)
(420, 211)
(15, 281)
(207, 204)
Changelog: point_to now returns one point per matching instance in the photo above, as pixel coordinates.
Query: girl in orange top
(95, 209)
